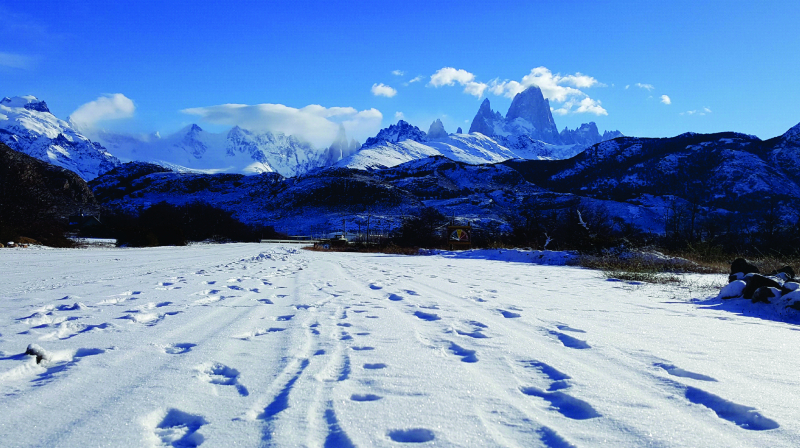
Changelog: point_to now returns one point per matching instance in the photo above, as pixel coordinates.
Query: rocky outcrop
(529, 118)
(396, 133)
(531, 106)
(436, 131)
(485, 119)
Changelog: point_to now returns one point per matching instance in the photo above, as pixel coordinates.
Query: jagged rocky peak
(396, 133)
(484, 120)
(436, 131)
(340, 148)
(29, 102)
(531, 105)
(459, 131)
(586, 135)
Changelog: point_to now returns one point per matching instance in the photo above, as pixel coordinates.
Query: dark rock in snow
(756, 281)
(764, 294)
(37, 351)
(784, 270)
(459, 131)
(743, 266)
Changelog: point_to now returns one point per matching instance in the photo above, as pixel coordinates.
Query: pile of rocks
(746, 282)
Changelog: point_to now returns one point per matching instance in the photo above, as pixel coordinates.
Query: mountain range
(527, 132)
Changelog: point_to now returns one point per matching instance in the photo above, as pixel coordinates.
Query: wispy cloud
(15, 61)
(647, 87)
(449, 76)
(398, 72)
(703, 111)
(107, 107)
(665, 99)
(416, 79)
(314, 123)
(399, 116)
(383, 90)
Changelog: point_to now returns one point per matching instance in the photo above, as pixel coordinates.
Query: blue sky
(724, 65)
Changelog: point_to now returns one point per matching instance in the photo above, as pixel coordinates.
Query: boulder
(765, 293)
(732, 289)
(743, 266)
(791, 286)
(755, 281)
(38, 352)
(787, 271)
(792, 300)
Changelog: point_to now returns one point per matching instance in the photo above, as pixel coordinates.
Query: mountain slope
(26, 125)
(728, 170)
(237, 151)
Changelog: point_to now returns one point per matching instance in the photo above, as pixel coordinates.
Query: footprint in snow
(677, 371)
(179, 429)
(178, 349)
(568, 328)
(465, 354)
(217, 373)
(564, 404)
(569, 341)
(375, 366)
(395, 298)
(414, 435)
(509, 314)
(375, 286)
(427, 316)
(745, 417)
(365, 397)
(284, 318)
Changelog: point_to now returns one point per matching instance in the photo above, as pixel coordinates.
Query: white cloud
(448, 76)
(704, 111)
(18, 61)
(398, 72)
(627, 87)
(665, 99)
(314, 123)
(417, 79)
(399, 116)
(590, 106)
(647, 87)
(383, 90)
(107, 107)
(555, 87)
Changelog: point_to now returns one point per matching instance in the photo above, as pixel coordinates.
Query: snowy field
(265, 345)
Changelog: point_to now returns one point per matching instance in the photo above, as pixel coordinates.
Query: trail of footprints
(178, 428)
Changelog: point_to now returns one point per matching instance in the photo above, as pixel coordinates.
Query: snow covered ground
(267, 345)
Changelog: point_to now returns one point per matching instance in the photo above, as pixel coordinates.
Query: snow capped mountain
(27, 126)
(529, 118)
(237, 151)
(403, 142)
(396, 133)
